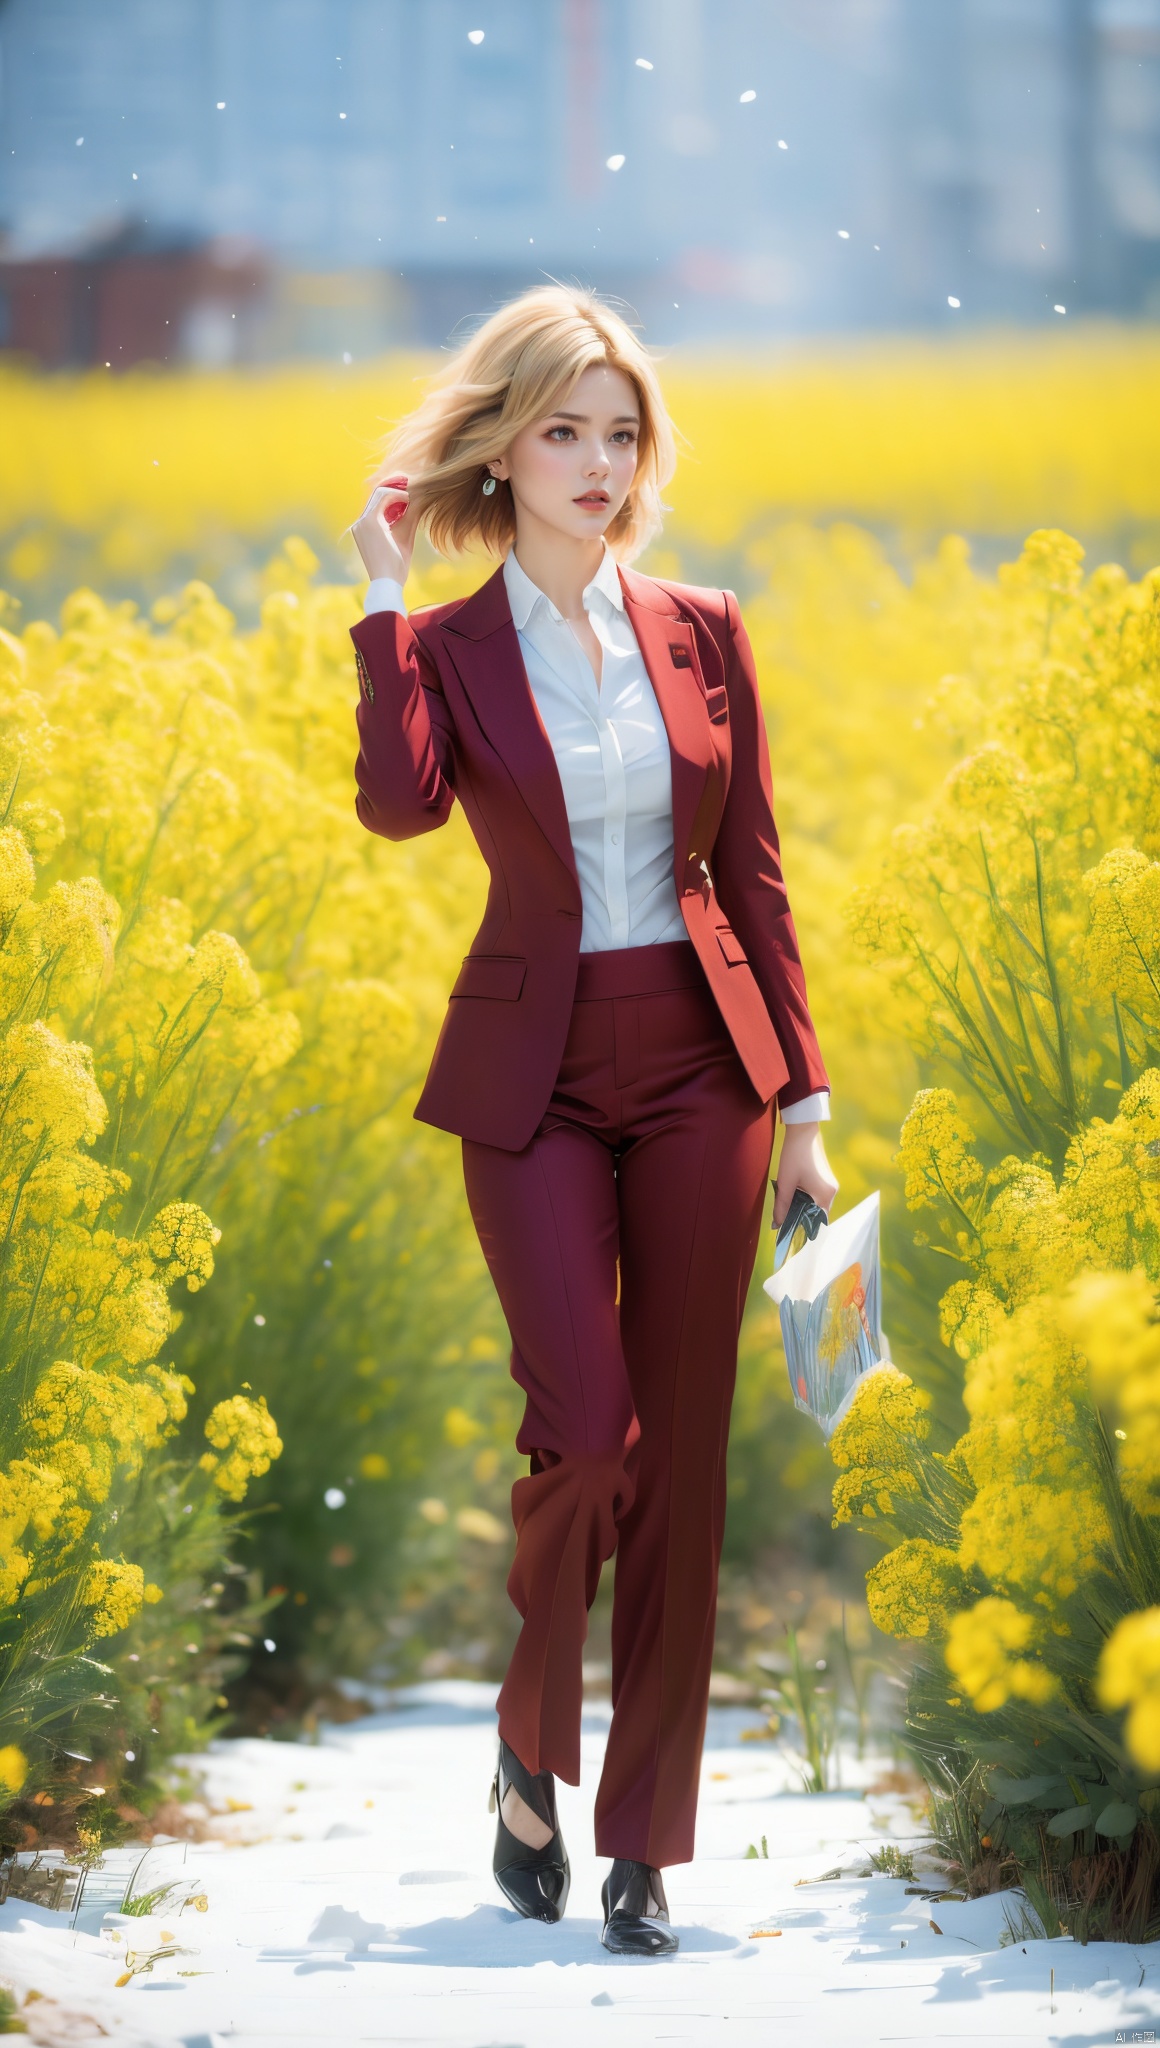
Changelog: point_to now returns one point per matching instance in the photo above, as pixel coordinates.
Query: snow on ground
(350, 1899)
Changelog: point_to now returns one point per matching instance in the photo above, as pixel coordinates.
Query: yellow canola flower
(970, 1317)
(245, 1431)
(17, 872)
(70, 1185)
(89, 1424)
(980, 1655)
(1025, 1393)
(1111, 1180)
(1011, 1223)
(77, 923)
(32, 1498)
(1128, 1675)
(934, 1152)
(13, 1768)
(1122, 949)
(460, 1428)
(1113, 1316)
(364, 1028)
(1044, 1540)
(1028, 1243)
(993, 784)
(218, 963)
(991, 908)
(888, 1411)
(58, 950)
(863, 1492)
(48, 1095)
(1051, 560)
(181, 1239)
(114, 1590)
(909, 1591)
(15, 1566)
(30, 1494)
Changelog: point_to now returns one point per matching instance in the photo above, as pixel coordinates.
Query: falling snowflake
(614, 163)
(956, 303)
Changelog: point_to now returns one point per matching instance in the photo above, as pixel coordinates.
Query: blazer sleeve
(747, 876)
(406, 763)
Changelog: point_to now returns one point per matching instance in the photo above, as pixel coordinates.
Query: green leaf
(1021, 1791)
(1000, 1752)
(1070, 1821)
(1068, 1795)
(1117, 1818)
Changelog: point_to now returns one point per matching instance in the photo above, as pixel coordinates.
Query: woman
(631, 1010)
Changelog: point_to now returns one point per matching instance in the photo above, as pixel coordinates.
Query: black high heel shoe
(535, 1880)
(636, 1911)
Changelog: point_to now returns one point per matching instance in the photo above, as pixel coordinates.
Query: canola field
(257, 1415)
(126, 483)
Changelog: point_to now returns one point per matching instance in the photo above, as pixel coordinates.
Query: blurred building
(277, 177)
(129, 296)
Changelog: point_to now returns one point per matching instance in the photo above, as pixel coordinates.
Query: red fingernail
(393, 513)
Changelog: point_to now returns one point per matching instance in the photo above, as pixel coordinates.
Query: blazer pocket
(717, 701)
(732, 947)
(492, 975)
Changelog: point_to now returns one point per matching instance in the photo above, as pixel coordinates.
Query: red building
(128, 300)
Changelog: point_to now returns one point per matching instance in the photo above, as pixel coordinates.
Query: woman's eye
(565, 431)
(625, 434)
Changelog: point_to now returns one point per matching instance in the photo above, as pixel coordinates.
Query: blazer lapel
(484, 645)
(670, 655)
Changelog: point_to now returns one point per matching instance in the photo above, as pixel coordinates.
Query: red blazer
(445, 711)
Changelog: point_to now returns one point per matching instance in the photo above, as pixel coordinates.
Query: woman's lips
(592, 498)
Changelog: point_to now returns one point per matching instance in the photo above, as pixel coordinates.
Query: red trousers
(621, 1241)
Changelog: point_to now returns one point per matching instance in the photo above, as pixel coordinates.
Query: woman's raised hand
(384, 532)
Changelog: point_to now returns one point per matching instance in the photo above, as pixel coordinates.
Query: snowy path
(354, 1903)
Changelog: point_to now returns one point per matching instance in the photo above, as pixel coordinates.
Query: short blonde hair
(516, 368)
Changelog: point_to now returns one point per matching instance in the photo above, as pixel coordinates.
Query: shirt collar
(524, 595)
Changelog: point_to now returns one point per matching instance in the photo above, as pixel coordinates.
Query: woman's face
(573, 470)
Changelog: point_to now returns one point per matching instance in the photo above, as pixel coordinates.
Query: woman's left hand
(802, 1164)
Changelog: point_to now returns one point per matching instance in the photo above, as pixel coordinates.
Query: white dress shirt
(612, 753)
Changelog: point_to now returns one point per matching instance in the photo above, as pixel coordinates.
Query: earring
(488, 486)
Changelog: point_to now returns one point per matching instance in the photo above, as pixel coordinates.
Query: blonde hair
(516, 368)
